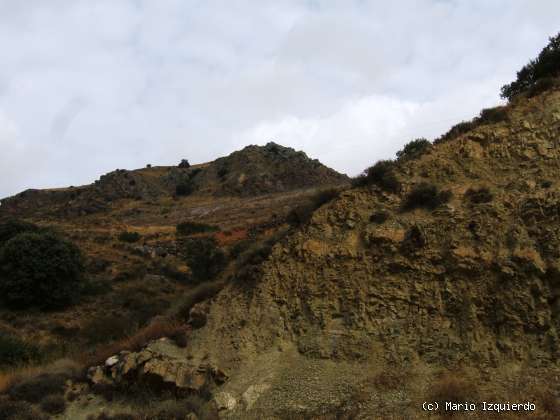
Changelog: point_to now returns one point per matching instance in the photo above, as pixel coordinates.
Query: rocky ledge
(161, 362)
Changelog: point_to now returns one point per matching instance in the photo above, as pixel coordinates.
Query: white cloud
(92, 86)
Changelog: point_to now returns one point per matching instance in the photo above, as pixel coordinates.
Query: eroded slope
(470, 283)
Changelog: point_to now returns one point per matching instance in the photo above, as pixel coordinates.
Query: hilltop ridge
(252, 171)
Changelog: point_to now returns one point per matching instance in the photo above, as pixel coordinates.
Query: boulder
(161, 361)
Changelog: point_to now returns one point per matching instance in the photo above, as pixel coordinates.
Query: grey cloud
(91, 86)
(63, 119)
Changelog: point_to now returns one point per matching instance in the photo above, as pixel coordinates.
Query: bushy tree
(184, 188)
(184, 164)
(457, 130)
(425, 195)
(40, 269)
(302, 214)
(14, 350)
(190, 228)
(13, 228)
(546, 65)
(129, 236)
(479, 195)
(204, 258)
(381, 174)
(493, 115)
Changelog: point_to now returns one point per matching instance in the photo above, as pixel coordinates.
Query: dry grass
(11, 377)
(549, 404)
(53, 404)
(181, 308)
(156, 329)
(453, 388)
(7, 379)
(390, 380)
(234, 236)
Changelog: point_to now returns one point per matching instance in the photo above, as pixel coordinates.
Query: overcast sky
(90, 86)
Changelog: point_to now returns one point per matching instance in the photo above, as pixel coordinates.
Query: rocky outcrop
(265, 169)
(473, 283)
(162, 364)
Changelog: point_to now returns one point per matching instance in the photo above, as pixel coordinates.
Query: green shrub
(381, 174)
(184, 164)
(414, 149)
(14, 227)
(183, 189)
(546, 183)
(129, 237)
(542, 85)
(379, 217)
(545, 66)
(14, 351)
(186, 185)
(107, 328)
(425, 195)
(457, 130)
(413, 240)
(325, 196)
(40, 269)
(53, 404)
(18, 410)
(479, 195)
(170, 268)
(204, 258)
(198, 294)
(240, 247)
(36, 388)
(493, 115)
(257, 254)
(222, 172)
(248, 264)
(190, 228)
(487, 116)
(194, 172)
(302, 214)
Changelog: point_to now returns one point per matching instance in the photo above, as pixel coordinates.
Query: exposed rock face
(466, 283)
(161, 361)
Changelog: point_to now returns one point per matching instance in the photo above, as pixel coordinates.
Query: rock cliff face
(474, 282)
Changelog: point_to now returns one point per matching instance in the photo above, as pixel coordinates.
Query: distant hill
(250, 172)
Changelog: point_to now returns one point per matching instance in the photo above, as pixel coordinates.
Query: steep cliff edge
(475, 282)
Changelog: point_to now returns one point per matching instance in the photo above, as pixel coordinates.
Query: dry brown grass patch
(548, 403)
(389, 380)
(156, 329)
(9, 378)
(453, 387)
